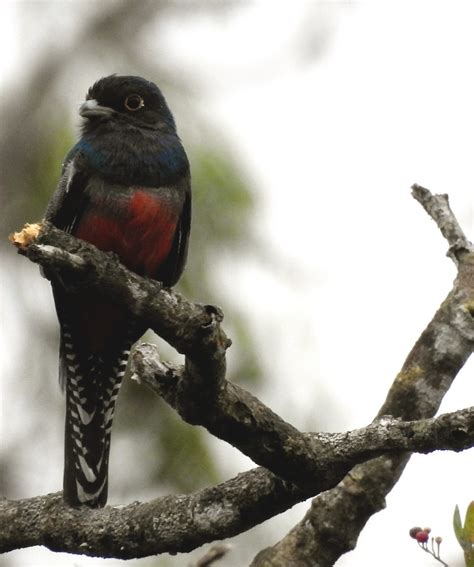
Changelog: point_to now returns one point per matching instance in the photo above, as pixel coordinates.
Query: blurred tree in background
(37, 128)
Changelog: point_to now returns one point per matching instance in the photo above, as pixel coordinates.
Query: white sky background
(334, 147)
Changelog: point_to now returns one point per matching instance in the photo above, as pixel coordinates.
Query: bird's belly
(140, 230)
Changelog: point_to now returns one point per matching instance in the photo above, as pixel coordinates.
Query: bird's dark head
(126, 99)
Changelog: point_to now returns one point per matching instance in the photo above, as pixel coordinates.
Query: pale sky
(334, 147)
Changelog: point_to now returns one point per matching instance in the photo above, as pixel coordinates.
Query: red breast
(141, 231)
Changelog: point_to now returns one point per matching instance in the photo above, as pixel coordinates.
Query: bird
(125, 187)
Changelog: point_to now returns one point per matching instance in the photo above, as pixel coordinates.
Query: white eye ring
(134, 102)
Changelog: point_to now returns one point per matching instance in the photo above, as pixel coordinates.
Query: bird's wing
(69, 199)
(171, 270)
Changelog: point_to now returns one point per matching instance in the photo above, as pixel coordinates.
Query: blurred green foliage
(47, 166)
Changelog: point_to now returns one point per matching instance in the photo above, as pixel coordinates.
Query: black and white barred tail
(92, 383)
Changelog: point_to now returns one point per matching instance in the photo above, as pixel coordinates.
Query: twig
(437, 206)
(213, 554)
(432, 552)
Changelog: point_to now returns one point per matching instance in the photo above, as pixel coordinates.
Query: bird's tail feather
(92, 385)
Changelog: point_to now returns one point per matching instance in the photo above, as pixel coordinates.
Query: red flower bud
(422, 537)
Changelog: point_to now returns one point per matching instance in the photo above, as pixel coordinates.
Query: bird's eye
(134, 102)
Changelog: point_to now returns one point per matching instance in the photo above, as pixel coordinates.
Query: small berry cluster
(422, 536)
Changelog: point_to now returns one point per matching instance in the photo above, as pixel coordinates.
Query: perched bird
(125, 187)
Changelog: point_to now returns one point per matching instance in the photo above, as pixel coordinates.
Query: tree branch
(191, 328)
(332, 525)
(186, 522)
(213, 554)
(438, 208)
(170, 524)
(307, 459)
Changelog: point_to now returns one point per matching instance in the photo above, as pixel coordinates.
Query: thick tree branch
(333, 523)
(170, 524)
(191, 328)
(182, 523)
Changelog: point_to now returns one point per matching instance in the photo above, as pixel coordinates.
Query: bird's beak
(91, 108)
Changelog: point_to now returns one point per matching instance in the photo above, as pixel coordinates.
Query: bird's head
(126, 99)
